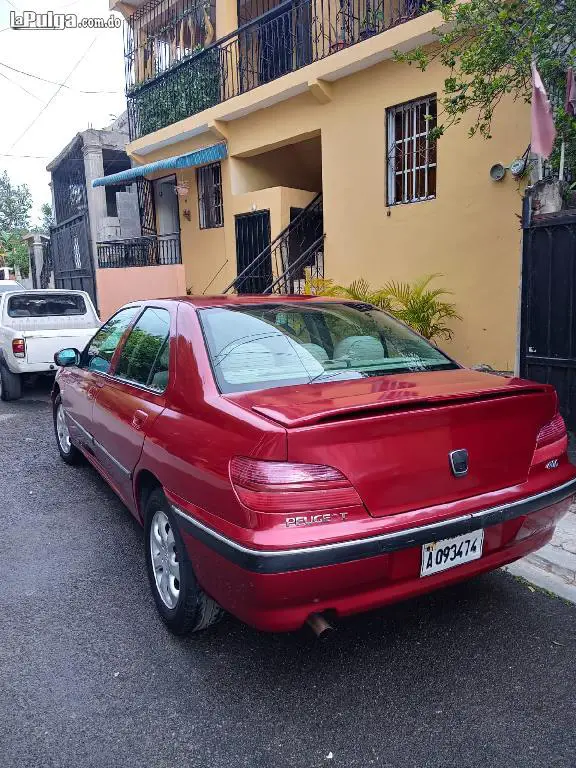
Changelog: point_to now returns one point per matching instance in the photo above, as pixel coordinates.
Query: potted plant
(342, 34)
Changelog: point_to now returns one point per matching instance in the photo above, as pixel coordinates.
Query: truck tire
(184, 607)
(10, 383)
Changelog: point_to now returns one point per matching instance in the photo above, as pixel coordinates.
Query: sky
(37, 119)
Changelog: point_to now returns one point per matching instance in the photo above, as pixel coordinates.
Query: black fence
(140, 252)
(283, 39)
(47, 265)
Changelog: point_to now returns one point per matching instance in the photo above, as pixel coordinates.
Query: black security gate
(72, 256)
(548, 324)
(252, 238)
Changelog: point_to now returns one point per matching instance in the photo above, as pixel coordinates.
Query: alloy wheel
(62, 430)
(164, 559)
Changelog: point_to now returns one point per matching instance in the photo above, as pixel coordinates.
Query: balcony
(149, 251)
(174, 70)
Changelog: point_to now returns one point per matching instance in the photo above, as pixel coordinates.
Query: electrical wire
(56, 92)
(51, 82)
(33, 157)
(13, 82)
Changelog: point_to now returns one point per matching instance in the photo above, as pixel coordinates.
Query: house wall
(470, 233)
(119, 286)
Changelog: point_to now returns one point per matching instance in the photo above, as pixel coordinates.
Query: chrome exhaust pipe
(320, 626)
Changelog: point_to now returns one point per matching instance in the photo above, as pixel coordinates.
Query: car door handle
(139, 419)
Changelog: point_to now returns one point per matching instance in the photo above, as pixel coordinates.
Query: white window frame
(409, 111)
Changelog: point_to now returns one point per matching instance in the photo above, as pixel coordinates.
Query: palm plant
(415, 304)
(421, 307)
(358, 290)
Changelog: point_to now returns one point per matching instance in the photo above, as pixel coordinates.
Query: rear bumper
(22, 367)
(277, 589)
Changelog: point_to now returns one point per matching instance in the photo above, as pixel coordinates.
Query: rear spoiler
(332, 414)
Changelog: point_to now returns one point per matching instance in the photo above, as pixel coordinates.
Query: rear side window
(145, 356)
(46, 305)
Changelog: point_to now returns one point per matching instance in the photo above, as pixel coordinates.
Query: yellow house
(294, 142)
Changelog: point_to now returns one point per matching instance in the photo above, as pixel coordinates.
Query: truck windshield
(46, 305)
(276, 345)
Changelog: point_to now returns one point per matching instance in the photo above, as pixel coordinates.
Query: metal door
(252, 238)
(72, 256)
(548, 320)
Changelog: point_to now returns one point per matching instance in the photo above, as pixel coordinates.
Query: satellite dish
(497, 172)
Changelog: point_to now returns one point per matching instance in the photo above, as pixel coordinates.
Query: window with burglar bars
(210, 206)
(411, 151)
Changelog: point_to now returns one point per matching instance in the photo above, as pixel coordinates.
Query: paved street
(478, 675)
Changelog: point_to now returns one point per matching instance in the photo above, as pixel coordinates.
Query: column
(95, 196)
(226, 17)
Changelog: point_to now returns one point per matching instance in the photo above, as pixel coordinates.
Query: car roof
(234, 300)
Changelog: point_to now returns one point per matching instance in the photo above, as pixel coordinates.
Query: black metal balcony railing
(140, 252)
(284, 39)
(163, 32)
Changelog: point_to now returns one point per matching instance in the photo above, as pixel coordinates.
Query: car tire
(67, 450)
(10, 384)
(183, 605)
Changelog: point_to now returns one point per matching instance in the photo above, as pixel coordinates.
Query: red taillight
(552, 432)
(19, 347)
(278, 486)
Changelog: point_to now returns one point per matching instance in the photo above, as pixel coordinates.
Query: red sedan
(297, 457)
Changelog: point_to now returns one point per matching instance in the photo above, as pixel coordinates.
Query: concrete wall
(296, 165)
(204, 251)
(119, 286)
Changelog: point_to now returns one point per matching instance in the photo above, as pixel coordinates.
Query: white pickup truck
(36, 324)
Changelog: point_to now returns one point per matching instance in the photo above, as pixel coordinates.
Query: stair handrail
(274, 243)
(295, 264)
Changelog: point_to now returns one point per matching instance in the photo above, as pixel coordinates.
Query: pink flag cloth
(570, 105)
(543, 130)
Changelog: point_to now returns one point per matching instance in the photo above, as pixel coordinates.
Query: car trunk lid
(392, 436)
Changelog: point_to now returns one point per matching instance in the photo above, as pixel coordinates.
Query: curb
(542, 579)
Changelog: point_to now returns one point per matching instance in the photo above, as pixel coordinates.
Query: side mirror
(67, 357)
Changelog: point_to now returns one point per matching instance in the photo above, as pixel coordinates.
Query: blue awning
(202, 156)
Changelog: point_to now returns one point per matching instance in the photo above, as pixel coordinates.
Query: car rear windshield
(46, 305)
(276, 345)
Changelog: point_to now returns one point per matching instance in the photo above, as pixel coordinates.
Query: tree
(488, 50)
(14, 252)
(46, 220)
(15, 205)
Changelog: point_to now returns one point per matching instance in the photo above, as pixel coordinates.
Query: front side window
(100, 350)
(276, 345)
(145, 356)
(411, 151)
(210, 205)
(46, 305)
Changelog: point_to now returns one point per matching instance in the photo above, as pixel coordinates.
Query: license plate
(448, 553)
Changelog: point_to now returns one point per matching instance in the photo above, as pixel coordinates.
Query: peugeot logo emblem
(459, 462)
